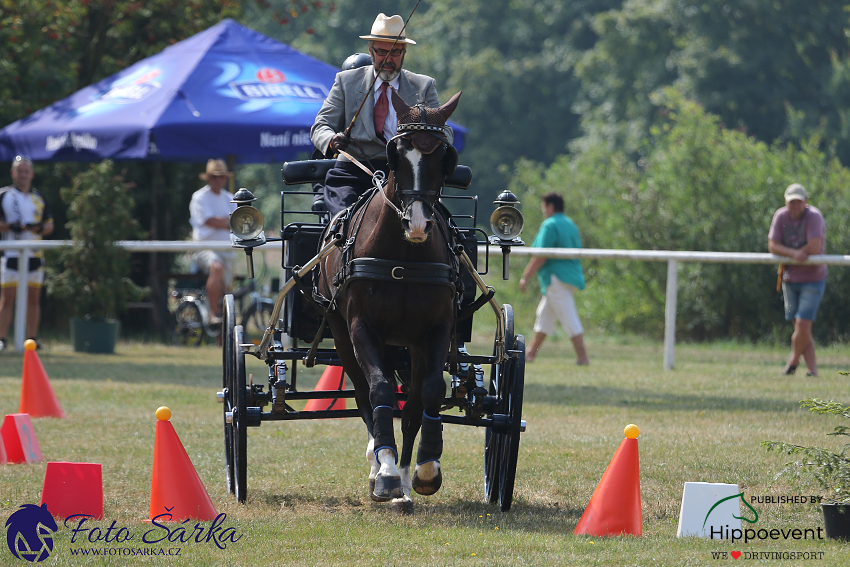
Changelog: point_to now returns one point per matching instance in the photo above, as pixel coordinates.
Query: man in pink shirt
(799, 231)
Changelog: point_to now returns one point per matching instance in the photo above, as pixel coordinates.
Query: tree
(58, 47)
(513, 60)
(698, 186)
(771, 69)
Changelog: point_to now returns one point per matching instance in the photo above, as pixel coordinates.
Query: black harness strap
(392, 271)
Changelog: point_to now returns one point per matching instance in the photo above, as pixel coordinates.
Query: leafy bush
(697, 186)
(831, 470)
(94, 276)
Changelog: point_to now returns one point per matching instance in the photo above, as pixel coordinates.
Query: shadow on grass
(644, 399)
(538, 518)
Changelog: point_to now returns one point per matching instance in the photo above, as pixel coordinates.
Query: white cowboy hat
(387, 28)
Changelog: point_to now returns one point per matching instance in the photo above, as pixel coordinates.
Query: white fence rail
(673, 258)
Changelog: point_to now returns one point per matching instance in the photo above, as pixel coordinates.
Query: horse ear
(392, 155)
(447, 109)
(450, 163)
(401, 107)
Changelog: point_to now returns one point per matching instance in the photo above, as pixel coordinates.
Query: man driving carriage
(367, 137)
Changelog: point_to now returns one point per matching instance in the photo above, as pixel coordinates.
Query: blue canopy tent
(226, 91)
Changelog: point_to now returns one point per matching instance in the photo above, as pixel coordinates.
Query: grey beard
(389, 75)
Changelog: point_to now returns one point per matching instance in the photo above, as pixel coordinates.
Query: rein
(377, 180)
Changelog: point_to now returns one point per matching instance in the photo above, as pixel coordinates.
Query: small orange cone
(37, 397)
(333, 378)
(614, 508)
(399, 403)
(177, 492)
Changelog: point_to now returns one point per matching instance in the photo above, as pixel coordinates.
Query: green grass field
(308, 504)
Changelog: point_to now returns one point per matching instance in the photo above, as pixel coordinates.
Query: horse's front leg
(411, 418)
(428, 477)
(368, 347)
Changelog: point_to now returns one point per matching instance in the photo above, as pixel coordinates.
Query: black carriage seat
(315, 170)
(301, 320)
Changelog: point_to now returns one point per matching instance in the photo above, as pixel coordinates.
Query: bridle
(407, 131)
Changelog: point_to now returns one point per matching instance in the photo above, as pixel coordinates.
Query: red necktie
(382, 108)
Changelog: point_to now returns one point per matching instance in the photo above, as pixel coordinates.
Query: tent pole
(231, 165)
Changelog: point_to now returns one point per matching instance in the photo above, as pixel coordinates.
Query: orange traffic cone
(333, 378)
(37, 397)
(177, 492)
(614, 508)
(3, 458)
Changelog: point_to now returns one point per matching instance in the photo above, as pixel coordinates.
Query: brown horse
(404, 298)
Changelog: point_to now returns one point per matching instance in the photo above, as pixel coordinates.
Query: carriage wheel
(240, 423)
(493, 442)
(510, 396)
(228, 363)
(188, 324)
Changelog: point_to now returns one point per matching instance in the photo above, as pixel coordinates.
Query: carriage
(298, 326)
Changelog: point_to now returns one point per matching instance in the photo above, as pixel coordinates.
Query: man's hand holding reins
(339, 142)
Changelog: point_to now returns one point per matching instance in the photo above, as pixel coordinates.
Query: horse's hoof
(427, 487)
(402, 506)
(387, 487)
(372, 494)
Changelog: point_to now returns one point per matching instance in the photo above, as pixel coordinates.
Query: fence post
(670, 313)
(21, 298)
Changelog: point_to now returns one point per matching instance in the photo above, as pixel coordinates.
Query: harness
(426, 137)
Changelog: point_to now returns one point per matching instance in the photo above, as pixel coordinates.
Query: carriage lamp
(246, 226)
(246, 222)
(506, 222)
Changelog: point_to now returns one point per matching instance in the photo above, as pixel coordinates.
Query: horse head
(420, 157)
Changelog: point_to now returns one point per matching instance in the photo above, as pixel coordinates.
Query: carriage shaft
(287, 287)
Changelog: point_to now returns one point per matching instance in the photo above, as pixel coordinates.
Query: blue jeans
(802, 299)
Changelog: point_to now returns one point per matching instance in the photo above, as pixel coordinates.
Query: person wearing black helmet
(356, 60)
(376, 122)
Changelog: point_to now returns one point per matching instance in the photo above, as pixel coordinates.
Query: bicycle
(192, 320)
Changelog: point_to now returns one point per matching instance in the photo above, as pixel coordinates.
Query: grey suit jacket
(348, 91)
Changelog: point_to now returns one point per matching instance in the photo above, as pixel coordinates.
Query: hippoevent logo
(753, 534)
(29, 533)
(721, 501)
(271, 85)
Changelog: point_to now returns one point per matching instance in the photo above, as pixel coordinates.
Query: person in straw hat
(376, 123)
(209, 214)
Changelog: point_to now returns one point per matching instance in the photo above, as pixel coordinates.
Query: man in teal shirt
(559, 279)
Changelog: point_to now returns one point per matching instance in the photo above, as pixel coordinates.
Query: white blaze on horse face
(418, 221)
